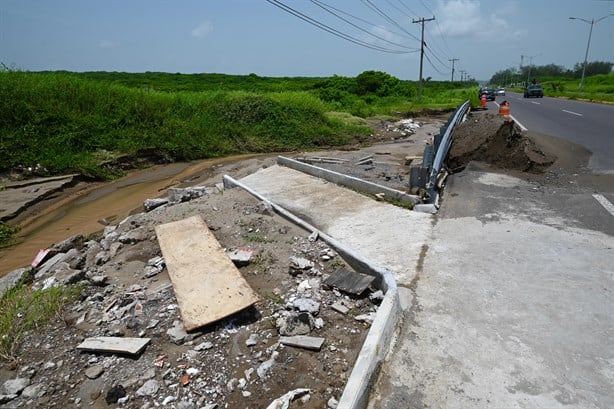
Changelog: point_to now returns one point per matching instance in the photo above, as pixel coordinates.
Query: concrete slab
(17, 196)
(386, 234)
(207, 284)
(302, 341)
(513, 306)
(121, 345)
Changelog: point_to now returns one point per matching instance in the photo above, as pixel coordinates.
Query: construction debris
(207, 284)
(302, 341)
(120, 345)
(349, 281)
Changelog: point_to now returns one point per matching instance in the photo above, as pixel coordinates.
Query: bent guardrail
(435, 155)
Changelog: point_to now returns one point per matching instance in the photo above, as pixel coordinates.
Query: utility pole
(588, 44)
(421, 21)
(453, 59)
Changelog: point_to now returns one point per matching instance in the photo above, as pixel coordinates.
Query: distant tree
(376, 82)
(593, 68)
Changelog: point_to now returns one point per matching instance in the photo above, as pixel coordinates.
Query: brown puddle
(80, 214)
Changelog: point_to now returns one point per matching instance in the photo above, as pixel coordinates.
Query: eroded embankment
(487, 138)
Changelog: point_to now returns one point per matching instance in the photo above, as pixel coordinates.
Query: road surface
(585, 123)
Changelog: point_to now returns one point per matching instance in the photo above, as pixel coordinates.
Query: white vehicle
(500, 91)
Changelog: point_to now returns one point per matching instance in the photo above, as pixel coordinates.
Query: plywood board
(207, 284)
(119, 345)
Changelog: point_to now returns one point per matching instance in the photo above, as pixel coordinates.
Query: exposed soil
(222, 367)
(113, 267)
(487, 138)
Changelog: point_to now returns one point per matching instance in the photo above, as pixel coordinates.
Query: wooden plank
(303, 341)
(349, 281)
(119, 345)
(207, 284)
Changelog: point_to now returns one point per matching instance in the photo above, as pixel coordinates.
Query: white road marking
(605, 203)
(536, 103)
(571, 112)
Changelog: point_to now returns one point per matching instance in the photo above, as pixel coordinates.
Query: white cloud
(459, 18)
(202, 30)
(106, 44)
(465, 19)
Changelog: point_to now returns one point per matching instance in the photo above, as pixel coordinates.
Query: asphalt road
(513, 298)
(585, 123)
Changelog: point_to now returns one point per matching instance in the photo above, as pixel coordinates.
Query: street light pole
(588, 44)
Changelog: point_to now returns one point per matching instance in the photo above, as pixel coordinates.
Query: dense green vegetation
(86, 122)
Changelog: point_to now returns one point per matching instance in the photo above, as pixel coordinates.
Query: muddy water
(82, 214)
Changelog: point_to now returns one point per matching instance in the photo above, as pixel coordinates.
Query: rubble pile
(123, 343)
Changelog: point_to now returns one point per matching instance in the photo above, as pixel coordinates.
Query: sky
(262, 37)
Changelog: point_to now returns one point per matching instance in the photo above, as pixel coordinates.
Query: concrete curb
(349, 181)
(378, 340)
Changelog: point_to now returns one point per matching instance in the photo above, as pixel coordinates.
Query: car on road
(490, 93)
(534, 91)
(500, 91)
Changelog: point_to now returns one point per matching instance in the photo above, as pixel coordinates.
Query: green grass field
(82, 122)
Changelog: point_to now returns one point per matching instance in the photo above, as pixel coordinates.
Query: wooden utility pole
(453, 59)
(421, 21)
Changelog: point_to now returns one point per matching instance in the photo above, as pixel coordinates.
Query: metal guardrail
(433, 162)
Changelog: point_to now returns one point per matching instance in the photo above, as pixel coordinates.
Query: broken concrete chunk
(177, 333)
(15, 386)
(301, 341)
(307, 305)
(151, 204)
(299, 265)
(369, 317)
(252, 340)
(377, 296)
(134, 236)
(13, 278)
(340, 308)
(119, 345)
(295, 324)
(149, 388)
(94, 372)
(66, 245)
(284, 401)
(241, 257)
(349, 281)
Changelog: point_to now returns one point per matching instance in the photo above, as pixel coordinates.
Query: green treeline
(78, 122)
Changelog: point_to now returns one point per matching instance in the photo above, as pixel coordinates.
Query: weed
(23, 309)
(7, 234)
(275, 299)
(336, 263)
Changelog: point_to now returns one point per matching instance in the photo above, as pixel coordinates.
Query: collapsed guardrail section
(431, 174)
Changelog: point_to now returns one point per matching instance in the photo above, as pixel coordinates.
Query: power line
(331, 30)
(388, 18)
(357, 18)
(325, 7)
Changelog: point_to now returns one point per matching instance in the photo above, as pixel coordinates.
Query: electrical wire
(326, 7)
(433, 65)
(331, 30)
(373, 7)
